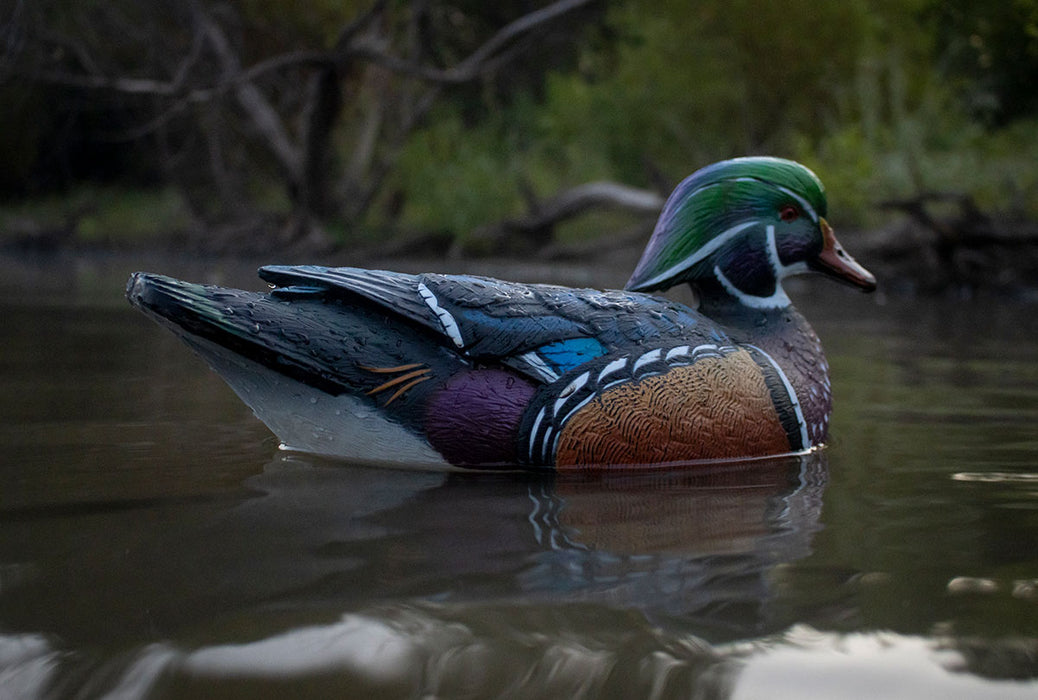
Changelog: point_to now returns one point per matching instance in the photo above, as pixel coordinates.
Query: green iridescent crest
(746, 221)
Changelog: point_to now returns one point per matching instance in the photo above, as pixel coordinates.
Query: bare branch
(536, 227)
(578, 199)
(130, 86)
(184, 68)
(351, 29)
(292, 59)
(263, 116)
(471, 67)
(201, 64)
(237, 79)
(72, 46)
(522, 25)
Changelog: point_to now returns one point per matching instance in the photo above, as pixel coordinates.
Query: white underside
(309, 420)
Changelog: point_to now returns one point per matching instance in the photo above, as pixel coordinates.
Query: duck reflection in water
(689, 545)
(432, 563)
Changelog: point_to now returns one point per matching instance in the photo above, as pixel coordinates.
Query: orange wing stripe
(389, 370)
(398, 380)
(399, 392)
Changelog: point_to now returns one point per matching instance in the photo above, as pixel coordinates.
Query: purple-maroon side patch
(474, 418)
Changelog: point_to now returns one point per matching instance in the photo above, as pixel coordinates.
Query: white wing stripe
(613, 366)
(674, 352)
(537, 364)
(569, 391)
(645, 359)
(450, 326)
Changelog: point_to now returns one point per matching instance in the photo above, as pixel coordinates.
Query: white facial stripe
(778, 300)
(773, 255)
(781, 270)
(803, 202)
(704, 252)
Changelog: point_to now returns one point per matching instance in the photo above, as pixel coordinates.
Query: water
(155, 543)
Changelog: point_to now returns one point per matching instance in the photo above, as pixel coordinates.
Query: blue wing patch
(564, 355)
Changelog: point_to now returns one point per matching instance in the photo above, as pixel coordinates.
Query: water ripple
(996, 477)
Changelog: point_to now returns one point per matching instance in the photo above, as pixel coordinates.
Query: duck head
(739, 227)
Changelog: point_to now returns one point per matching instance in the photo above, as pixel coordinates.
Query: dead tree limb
(536, 229)
(255, 105)
(472, 66)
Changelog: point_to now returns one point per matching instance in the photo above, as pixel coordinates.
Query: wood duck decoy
(467, 371)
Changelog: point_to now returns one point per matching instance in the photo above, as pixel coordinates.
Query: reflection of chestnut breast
(722, 509)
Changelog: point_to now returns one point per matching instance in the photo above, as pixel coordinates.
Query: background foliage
(883, 98)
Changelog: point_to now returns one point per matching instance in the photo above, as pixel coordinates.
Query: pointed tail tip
(141, 286)
(135, 288)
(154, 293)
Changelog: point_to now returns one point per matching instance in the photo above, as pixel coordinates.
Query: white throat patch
(778, 298)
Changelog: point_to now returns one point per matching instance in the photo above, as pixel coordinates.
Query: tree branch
(471, 67)
(263, 116)
(130, 86)
(237, 79)
(579, 199)
(350, 30)
(536, 227)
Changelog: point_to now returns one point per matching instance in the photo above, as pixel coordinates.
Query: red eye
(789, 213)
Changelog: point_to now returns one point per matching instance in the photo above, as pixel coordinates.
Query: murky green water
(155, 543)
